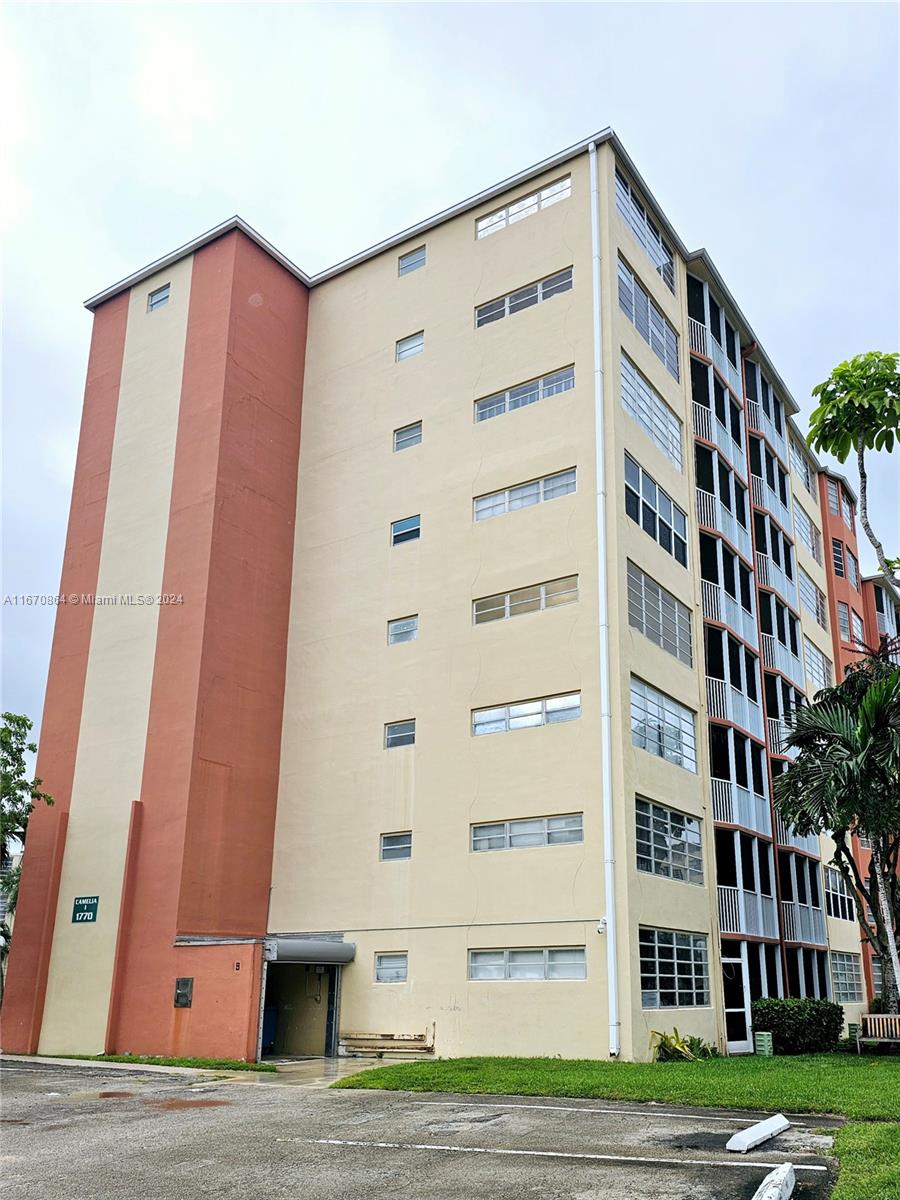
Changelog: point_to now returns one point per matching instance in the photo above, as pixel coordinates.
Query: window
(859, 630)
(396, 845)
(674, 969)
(812, 598)
(838, 900)
(846, 510)
(833, 488)
(648, 408)
(407, 263)
(818, 668)
(409, 346)
(646, 232)
(662, 726)
(549, 710)
(399, 733)
(158, 299)
(658, 614)
(668, 842)
(565, 962)
(524, 495)
(524, 394)
(846, 977)
(526, 297)
(408, 435)
(390, 968)
(837, 555)
(403, 629)
(524, 600)
(844, 621)
(877, 976)
(802, 466)
(561, 189)
(852, 569)
(406, 530)
(537, 831)
(654, 510)
(808, 533)
(648, 319)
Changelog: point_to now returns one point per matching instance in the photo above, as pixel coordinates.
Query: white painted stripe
(628, 1112)
(629, 1158)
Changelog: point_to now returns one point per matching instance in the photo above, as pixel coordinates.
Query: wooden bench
(878, 1027)
(380, 1044)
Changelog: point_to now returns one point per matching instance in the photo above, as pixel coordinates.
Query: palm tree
(846, 779)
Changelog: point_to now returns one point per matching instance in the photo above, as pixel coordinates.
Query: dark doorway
(300, 1009)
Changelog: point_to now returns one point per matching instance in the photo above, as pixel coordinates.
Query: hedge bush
(799, 1026)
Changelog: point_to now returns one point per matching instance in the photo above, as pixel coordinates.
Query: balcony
(747, 912)
(702, 342)
(802, 923)
(767, 498)
(729, 704)
(786, 836)
(770, 575)
(777, 657)
(719, 606)
(712, 513)
(736, 805)
(708, 426)
(779, 731)
(757, 419)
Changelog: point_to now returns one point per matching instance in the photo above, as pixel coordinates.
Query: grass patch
(859, 1087)
(869, 1155)
(153, 1060)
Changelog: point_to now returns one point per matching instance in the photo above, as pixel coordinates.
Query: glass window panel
(390, 968)
(411, 261)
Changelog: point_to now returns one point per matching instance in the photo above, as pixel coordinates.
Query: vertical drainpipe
(609, 859)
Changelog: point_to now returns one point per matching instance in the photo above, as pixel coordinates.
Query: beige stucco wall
(113, 728)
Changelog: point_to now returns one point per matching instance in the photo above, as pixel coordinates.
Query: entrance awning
(309, 950)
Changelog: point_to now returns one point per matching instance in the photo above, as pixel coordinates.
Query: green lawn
(865, 1088)
(206, 1064)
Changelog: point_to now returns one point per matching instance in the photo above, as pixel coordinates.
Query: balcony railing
(719, 606)
(771, 575)
(702, 342)
(712, 513)
(747, 912)
(736, 805)
(767, 498)
(778, 657)
(786, 836)
(778, 735)
(803, 923)
(757, 419)
(726, 702)
(708, 426)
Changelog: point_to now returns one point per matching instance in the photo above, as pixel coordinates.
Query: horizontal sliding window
(525, 714)
(403, 629)
(524, 495)
(560, 189)
(409, 435)
(662, 726)
(159, 298)
(655, 511)
(668, 842)
(648, 319)
(527, 599)
(407, 263)
(409, 346)
(642, 402)
(633, 210)
(564, 962)
(406, 530)
(531, 831)
(674, 969)
(659, 615)
(399, 733)
(526, 297)
(391, 968)
(396, 845)
(524, 394)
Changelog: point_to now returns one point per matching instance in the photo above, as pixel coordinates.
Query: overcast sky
(768, 132)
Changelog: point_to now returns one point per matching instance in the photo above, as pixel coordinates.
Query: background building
(461, 594)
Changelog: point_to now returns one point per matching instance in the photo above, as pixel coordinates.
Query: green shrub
(799, 1026)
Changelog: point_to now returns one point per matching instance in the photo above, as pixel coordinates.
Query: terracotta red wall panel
(35, 916)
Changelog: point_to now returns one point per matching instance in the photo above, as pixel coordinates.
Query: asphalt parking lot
(91, 1133)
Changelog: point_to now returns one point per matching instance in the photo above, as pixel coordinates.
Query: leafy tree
(859, 410)
(846, 779)
(18, 796)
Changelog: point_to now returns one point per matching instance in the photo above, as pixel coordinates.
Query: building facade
(437, 619)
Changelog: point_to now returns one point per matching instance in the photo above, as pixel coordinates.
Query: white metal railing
(730, 704)
(708, 426)
(712, 513)
(747, 912)
(778, 736)
(786, 836)
(703, 342)
(767, 498)
(719, 606)
(697, 337)
(736, 805)
(758, 420)
(803, 923)
(778, 657)
(770, 574)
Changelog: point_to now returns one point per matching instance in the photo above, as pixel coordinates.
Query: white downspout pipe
(609, 856)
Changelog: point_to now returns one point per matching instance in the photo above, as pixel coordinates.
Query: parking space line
(568, 1154)
(628, 1112)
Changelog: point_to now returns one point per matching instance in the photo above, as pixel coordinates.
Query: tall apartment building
(483, 571)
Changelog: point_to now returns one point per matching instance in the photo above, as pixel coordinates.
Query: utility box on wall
(184, 992)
